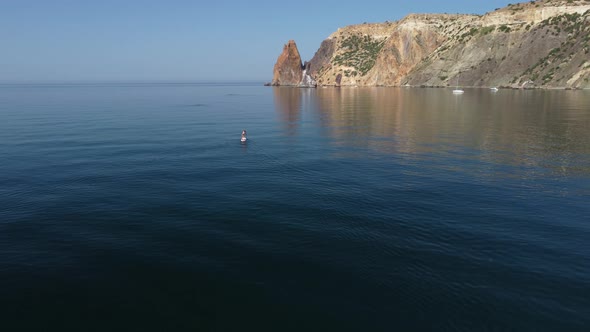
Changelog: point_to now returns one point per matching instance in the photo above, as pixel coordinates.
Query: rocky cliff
(542, 43)
(289, 70)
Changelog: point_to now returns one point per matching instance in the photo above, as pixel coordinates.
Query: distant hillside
(544, 43)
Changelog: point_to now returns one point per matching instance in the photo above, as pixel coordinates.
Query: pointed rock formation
(289, 71)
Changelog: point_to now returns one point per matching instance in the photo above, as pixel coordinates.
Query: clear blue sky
(178, 40)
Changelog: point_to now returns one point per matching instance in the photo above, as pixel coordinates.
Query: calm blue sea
(135, 207)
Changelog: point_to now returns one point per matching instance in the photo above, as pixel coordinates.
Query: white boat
(243, 139)
(494, 89)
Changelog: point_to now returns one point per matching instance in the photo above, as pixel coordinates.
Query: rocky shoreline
(540, 44)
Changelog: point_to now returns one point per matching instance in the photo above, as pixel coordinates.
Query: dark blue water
(135, 207)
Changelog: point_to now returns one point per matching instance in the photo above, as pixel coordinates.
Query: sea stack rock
(289, 70)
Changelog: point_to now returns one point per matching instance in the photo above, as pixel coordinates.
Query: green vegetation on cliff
(574, 30)
(547, 42)
(360, 53)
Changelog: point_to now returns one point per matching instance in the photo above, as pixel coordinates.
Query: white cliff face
(545, 13)
(375, 30)
(307, 81)
(532, 15)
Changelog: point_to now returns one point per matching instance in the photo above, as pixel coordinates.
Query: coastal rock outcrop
(544, 42)
(289, 71)
(288, 68)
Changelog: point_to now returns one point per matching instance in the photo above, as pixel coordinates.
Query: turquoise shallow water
(135, 207)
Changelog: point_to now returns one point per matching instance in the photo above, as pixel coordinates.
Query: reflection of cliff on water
(289, 103)
(386, 119)
(531, 128)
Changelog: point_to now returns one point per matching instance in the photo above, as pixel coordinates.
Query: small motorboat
(244, 138)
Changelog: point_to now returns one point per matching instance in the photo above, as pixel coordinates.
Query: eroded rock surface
(288, 69)
(545, 42)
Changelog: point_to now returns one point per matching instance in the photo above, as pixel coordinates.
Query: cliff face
(288, 69)
(414, 38)
(543, 42)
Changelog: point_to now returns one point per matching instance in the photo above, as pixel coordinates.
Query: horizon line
(129, 81)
